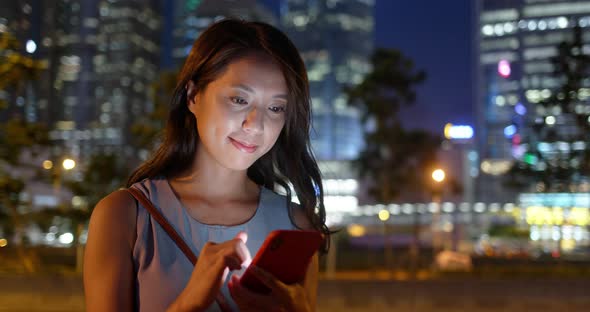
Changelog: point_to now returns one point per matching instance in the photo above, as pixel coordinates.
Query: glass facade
(335, 39)
(515, 42)
(191, 17)
(103, 56)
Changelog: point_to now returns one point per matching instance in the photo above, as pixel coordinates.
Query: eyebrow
(248, 89)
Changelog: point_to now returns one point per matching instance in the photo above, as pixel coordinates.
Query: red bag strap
(156, 215)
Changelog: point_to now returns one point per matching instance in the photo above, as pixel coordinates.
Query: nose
(254, 121)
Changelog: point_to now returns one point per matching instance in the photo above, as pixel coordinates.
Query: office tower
(516, 41)
(191, 17)
(103, 56)
(335, 39)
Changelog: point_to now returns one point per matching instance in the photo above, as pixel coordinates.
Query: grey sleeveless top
(162, 270)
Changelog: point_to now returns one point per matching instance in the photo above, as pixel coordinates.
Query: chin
(239, 164)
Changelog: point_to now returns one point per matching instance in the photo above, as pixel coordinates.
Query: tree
(397, 160)
(102, 174)
(16, 69)
(556, 150)
(17, 137)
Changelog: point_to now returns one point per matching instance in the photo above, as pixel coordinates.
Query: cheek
(275, 130)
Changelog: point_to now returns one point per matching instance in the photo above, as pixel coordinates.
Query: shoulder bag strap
(156, 215)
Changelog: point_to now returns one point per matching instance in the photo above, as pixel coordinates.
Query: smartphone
(285, 254)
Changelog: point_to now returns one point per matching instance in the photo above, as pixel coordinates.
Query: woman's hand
(283, 297)
(215, 262)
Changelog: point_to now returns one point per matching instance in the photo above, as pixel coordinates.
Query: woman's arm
(310, 283)
(108, 259)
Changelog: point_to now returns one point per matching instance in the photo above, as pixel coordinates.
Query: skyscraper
(335, 39)
(103, 55)
(191, 17)
(516, 41)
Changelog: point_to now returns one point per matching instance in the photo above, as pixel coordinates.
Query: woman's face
(240, 114)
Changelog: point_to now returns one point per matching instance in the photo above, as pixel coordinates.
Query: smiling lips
(244, 147)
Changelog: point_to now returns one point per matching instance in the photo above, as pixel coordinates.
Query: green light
(530, 159)
(192, 4)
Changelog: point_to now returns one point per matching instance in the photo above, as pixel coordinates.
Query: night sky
(437, 35)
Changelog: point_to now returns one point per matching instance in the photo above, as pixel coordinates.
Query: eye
(277, 109)
(238, 100)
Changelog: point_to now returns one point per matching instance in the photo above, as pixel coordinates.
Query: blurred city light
(69, 164)
(438, 175)
(458, 131)
(66, 238)
(31, 46)
(504, 68)
(47, 164)
(356, 230)
(383, 215)
(520, 109)
(509, 131)
(3, 242)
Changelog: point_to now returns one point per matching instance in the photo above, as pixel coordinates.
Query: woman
(238, 127)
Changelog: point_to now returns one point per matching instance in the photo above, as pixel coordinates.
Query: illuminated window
(499, 15)
(495, 57)
(497, 44)
(539, 53)
(556, 9)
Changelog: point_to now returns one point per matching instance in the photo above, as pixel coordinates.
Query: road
(65, 294)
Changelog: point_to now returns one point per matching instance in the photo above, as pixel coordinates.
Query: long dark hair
(290, 161)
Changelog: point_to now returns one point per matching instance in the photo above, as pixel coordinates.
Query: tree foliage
(103, 174)
(395, 159)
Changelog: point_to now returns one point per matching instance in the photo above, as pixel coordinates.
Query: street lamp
(438, 175)
(47, 164)
(384, 216)
(69, 164)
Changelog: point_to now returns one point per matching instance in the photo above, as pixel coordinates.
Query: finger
(245, 296)
(236, 291)
(268, 279)
(232, 260)
(224, 275)
(235, 254)
(243, 236)
(241, 249)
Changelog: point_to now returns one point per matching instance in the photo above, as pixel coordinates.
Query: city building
(515, 42)
(335, 39)
(191, 17)
(103, 56)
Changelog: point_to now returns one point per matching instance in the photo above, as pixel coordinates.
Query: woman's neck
(214, 182)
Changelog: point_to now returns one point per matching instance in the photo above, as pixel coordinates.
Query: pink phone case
(286, 255)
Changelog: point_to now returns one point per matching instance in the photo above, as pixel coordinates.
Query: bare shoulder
(108, 262)
(117, 212)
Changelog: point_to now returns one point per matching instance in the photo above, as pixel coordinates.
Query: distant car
(453, 261)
